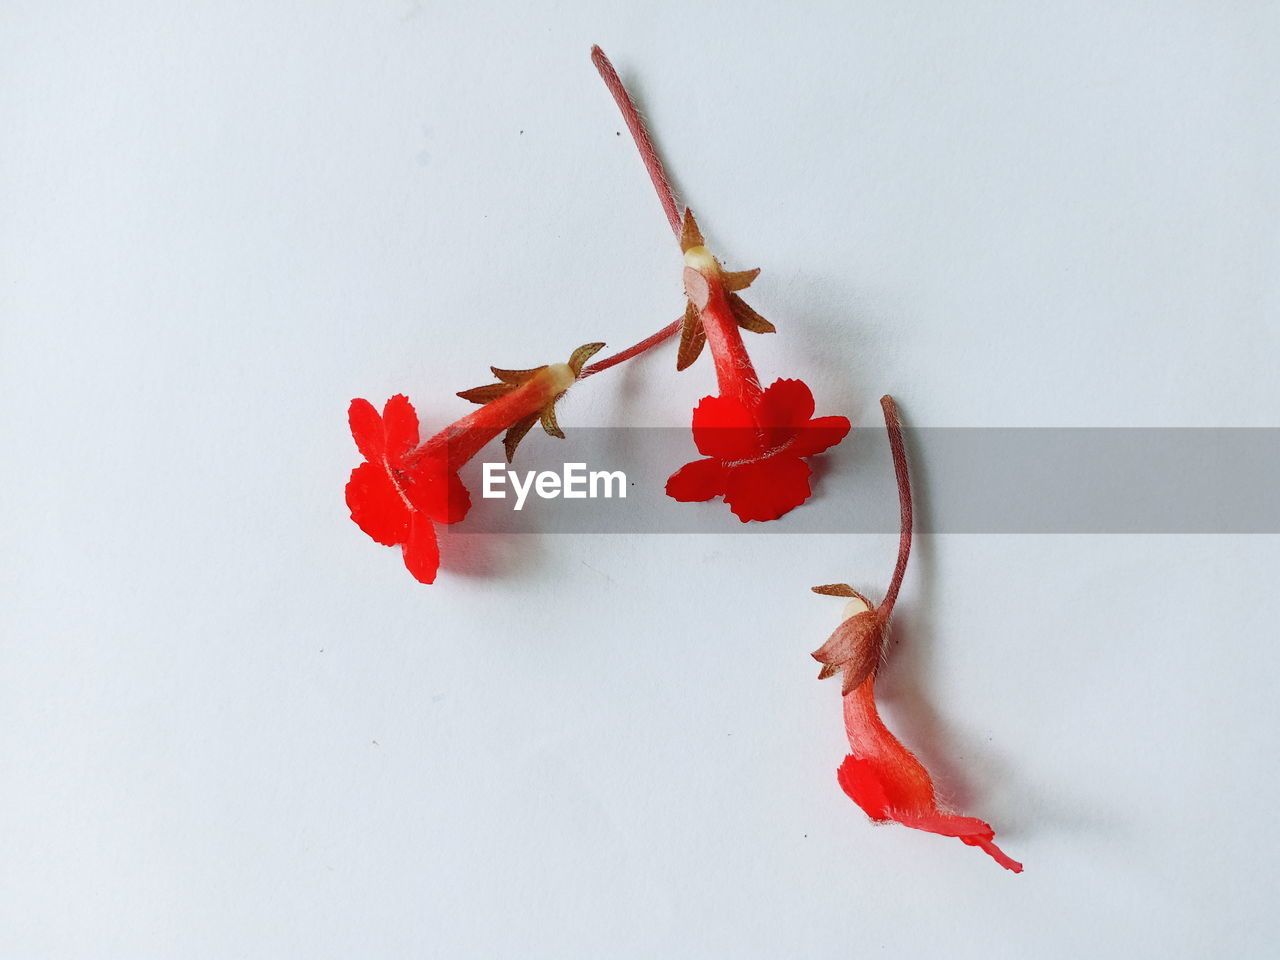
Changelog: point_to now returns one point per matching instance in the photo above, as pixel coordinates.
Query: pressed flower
(405, 487)
(880, 774)
(755, 440)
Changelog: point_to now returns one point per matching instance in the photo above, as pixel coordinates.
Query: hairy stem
(641, 136)
(663, 335)
(896, 446)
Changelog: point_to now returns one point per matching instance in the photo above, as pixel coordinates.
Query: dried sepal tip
(516, 433)
(487, 393)
(747, 318)
(549, 422)
(693, 337)
(739, 279)
(578, 359)
(515, 377)
(690, 235)
(835, 590)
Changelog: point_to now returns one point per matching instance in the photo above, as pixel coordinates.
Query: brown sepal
(516, 433)
(842, 590)
(490, 391)
(835, 590)
(690, 236)
(854, 647)
(747, 318)
(692, 338)
(515, 377)
(738, 279)
(579, 357)
(549, 422)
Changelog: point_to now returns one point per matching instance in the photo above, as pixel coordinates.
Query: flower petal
(435, 490)
(400, 424)
(786, 403)
(376, 505)
(724, 428)
(767, 489)
(817, 435)
(422, 550)
(366, 429)
(697, 481)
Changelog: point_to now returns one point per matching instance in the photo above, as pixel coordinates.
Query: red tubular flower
(755, 440)
(405, 487)
(881, 775)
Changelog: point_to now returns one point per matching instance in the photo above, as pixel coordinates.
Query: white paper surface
(232, 726)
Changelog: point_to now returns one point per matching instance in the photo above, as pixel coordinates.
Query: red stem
(666, 333)
(736, 376)
(641, 136)
(896, 446)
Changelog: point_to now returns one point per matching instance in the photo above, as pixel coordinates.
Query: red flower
(755, 440)
(755, 459)
(881, 775)
(393, 502)
(404, 486)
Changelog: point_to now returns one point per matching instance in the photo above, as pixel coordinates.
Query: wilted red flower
(405, 487)
(881, 775)
(886, 780)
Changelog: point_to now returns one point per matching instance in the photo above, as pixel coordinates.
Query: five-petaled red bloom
(756, 460)
(404, 486)
(395, 496)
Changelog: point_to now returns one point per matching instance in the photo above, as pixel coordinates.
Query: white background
(232, 726)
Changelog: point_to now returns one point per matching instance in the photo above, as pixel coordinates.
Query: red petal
(422, 551)
(400, 423)
(817, 435)
(724, 428)
(435, 490)
(366, 429)
(376, 506)
(862, 782)
(786, 403)
(768, 489)
(886, 780)
(974, 832)
(697, 481)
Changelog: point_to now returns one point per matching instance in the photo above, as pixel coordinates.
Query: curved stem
(641, 136)
(894, 428)
(666, 333)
